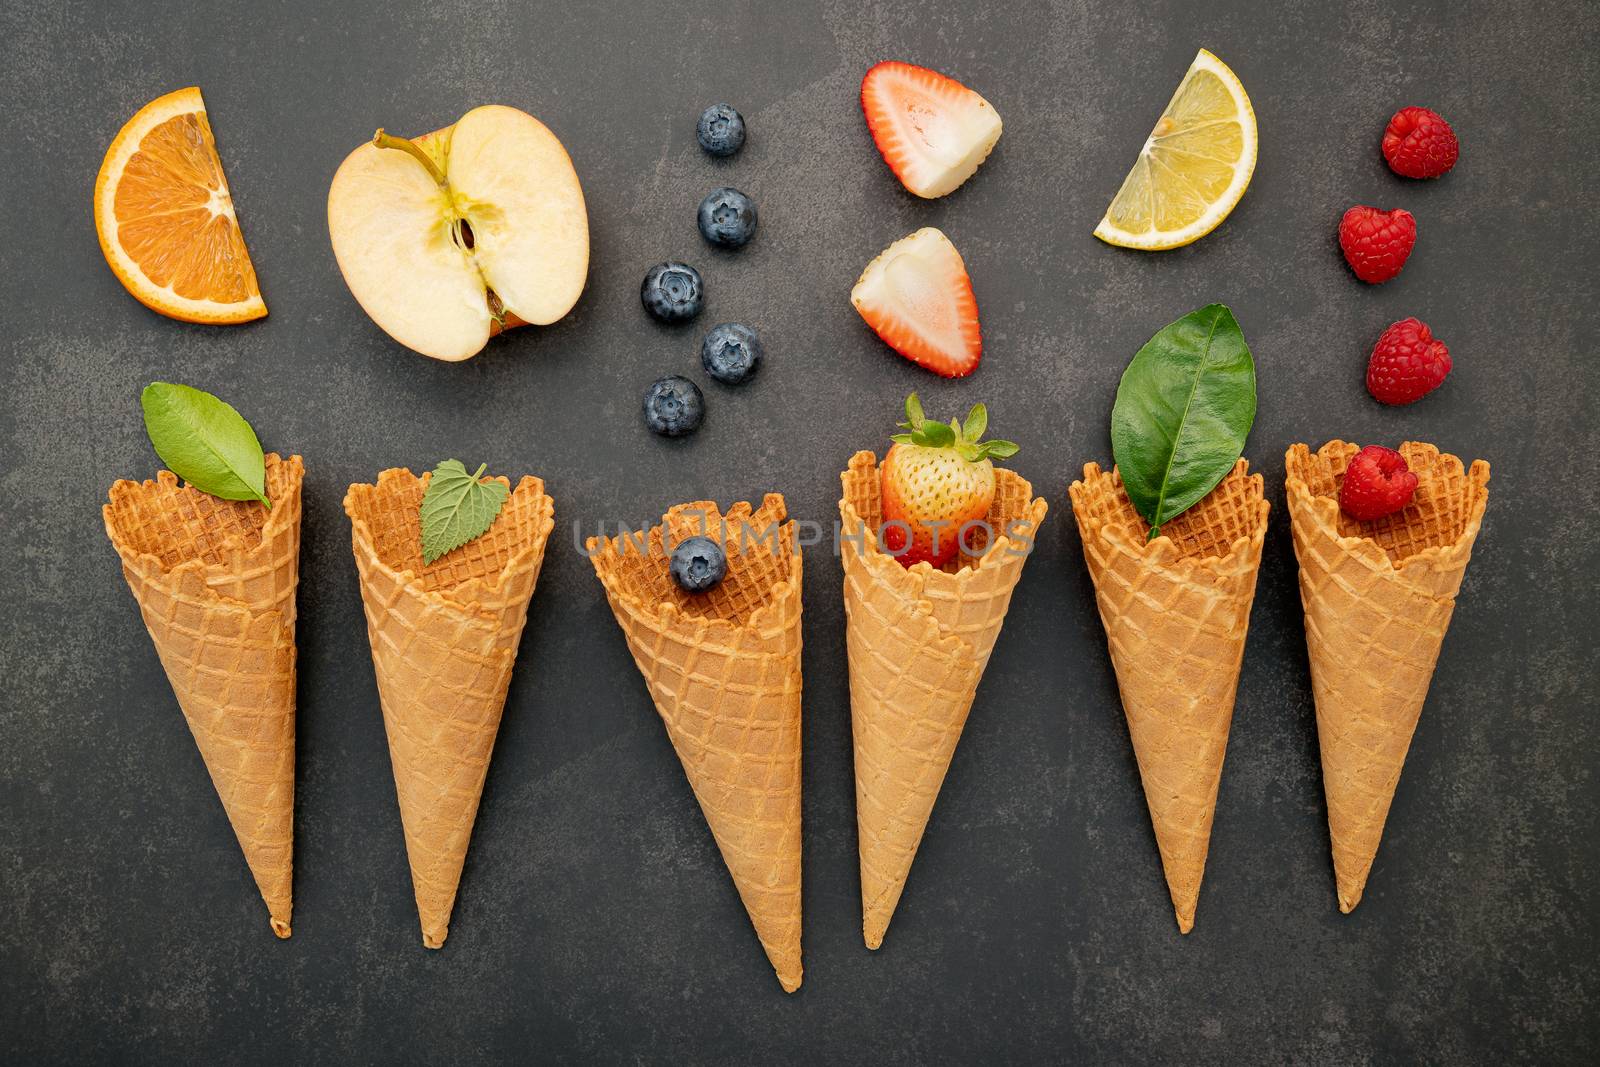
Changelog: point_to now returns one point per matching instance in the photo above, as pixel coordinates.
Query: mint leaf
(1184, 408)
(204, 441)
(458, 507)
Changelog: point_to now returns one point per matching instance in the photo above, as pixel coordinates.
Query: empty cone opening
(1448, 498)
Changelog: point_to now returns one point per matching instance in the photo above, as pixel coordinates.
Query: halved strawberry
(918, 298)
(932, 130)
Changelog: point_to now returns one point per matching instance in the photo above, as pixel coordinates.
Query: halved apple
(449, 238)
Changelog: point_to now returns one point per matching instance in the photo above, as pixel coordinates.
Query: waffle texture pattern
(1378, 597)
(1175, 611)
(444, 638)
(215, 581)
(723, 668)
(918, 641)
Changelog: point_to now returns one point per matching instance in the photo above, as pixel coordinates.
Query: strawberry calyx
(964, 437)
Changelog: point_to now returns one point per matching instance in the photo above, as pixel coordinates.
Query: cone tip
(790, 983)
(434, 940)
(873, 938)
(1185, 922)
(1350, 893)
(281, 928)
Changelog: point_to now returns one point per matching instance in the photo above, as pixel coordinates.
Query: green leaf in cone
(1184, 408)
(458, 507)
(204, 441)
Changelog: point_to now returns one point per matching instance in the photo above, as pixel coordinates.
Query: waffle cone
(444, 638)
(723, 669)
(918, 641)
(1176, 610)
(215, 581)
(1378, 598)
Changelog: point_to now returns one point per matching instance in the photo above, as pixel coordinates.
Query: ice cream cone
(215, 581)
(444, 638)
(1378, 598)
(723, 668)
(918, 641)
(1175, 611)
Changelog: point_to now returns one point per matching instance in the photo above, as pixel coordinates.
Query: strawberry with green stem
(937, 478)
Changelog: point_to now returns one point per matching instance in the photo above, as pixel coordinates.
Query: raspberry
(1377, 483)
(1407, 363)
(1419, 143)
(1376, 243)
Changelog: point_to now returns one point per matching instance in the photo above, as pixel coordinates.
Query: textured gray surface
(596, 921)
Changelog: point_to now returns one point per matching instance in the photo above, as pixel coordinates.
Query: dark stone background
(596, 921)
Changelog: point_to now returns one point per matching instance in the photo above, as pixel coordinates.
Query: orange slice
(166, 219)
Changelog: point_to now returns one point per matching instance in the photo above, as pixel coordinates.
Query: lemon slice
(1193, 168)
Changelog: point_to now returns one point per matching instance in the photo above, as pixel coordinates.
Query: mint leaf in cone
(458, 507)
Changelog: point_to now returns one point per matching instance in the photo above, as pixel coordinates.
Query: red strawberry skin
(932, 131)
(1376, 243)
(939, 330)
(1407, 363)
(1377, 482)
(1419, 143)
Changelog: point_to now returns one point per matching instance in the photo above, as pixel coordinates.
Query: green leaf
(977, 422)
(914, 416)
(963, 437)
(1182, 414)
(935, 435)
(205, 442)
(457, 507)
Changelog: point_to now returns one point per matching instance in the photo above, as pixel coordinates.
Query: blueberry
(731, 353)
(672, 292)
(727, 218)
(674, 407)
(721, 130)
(698, 564)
